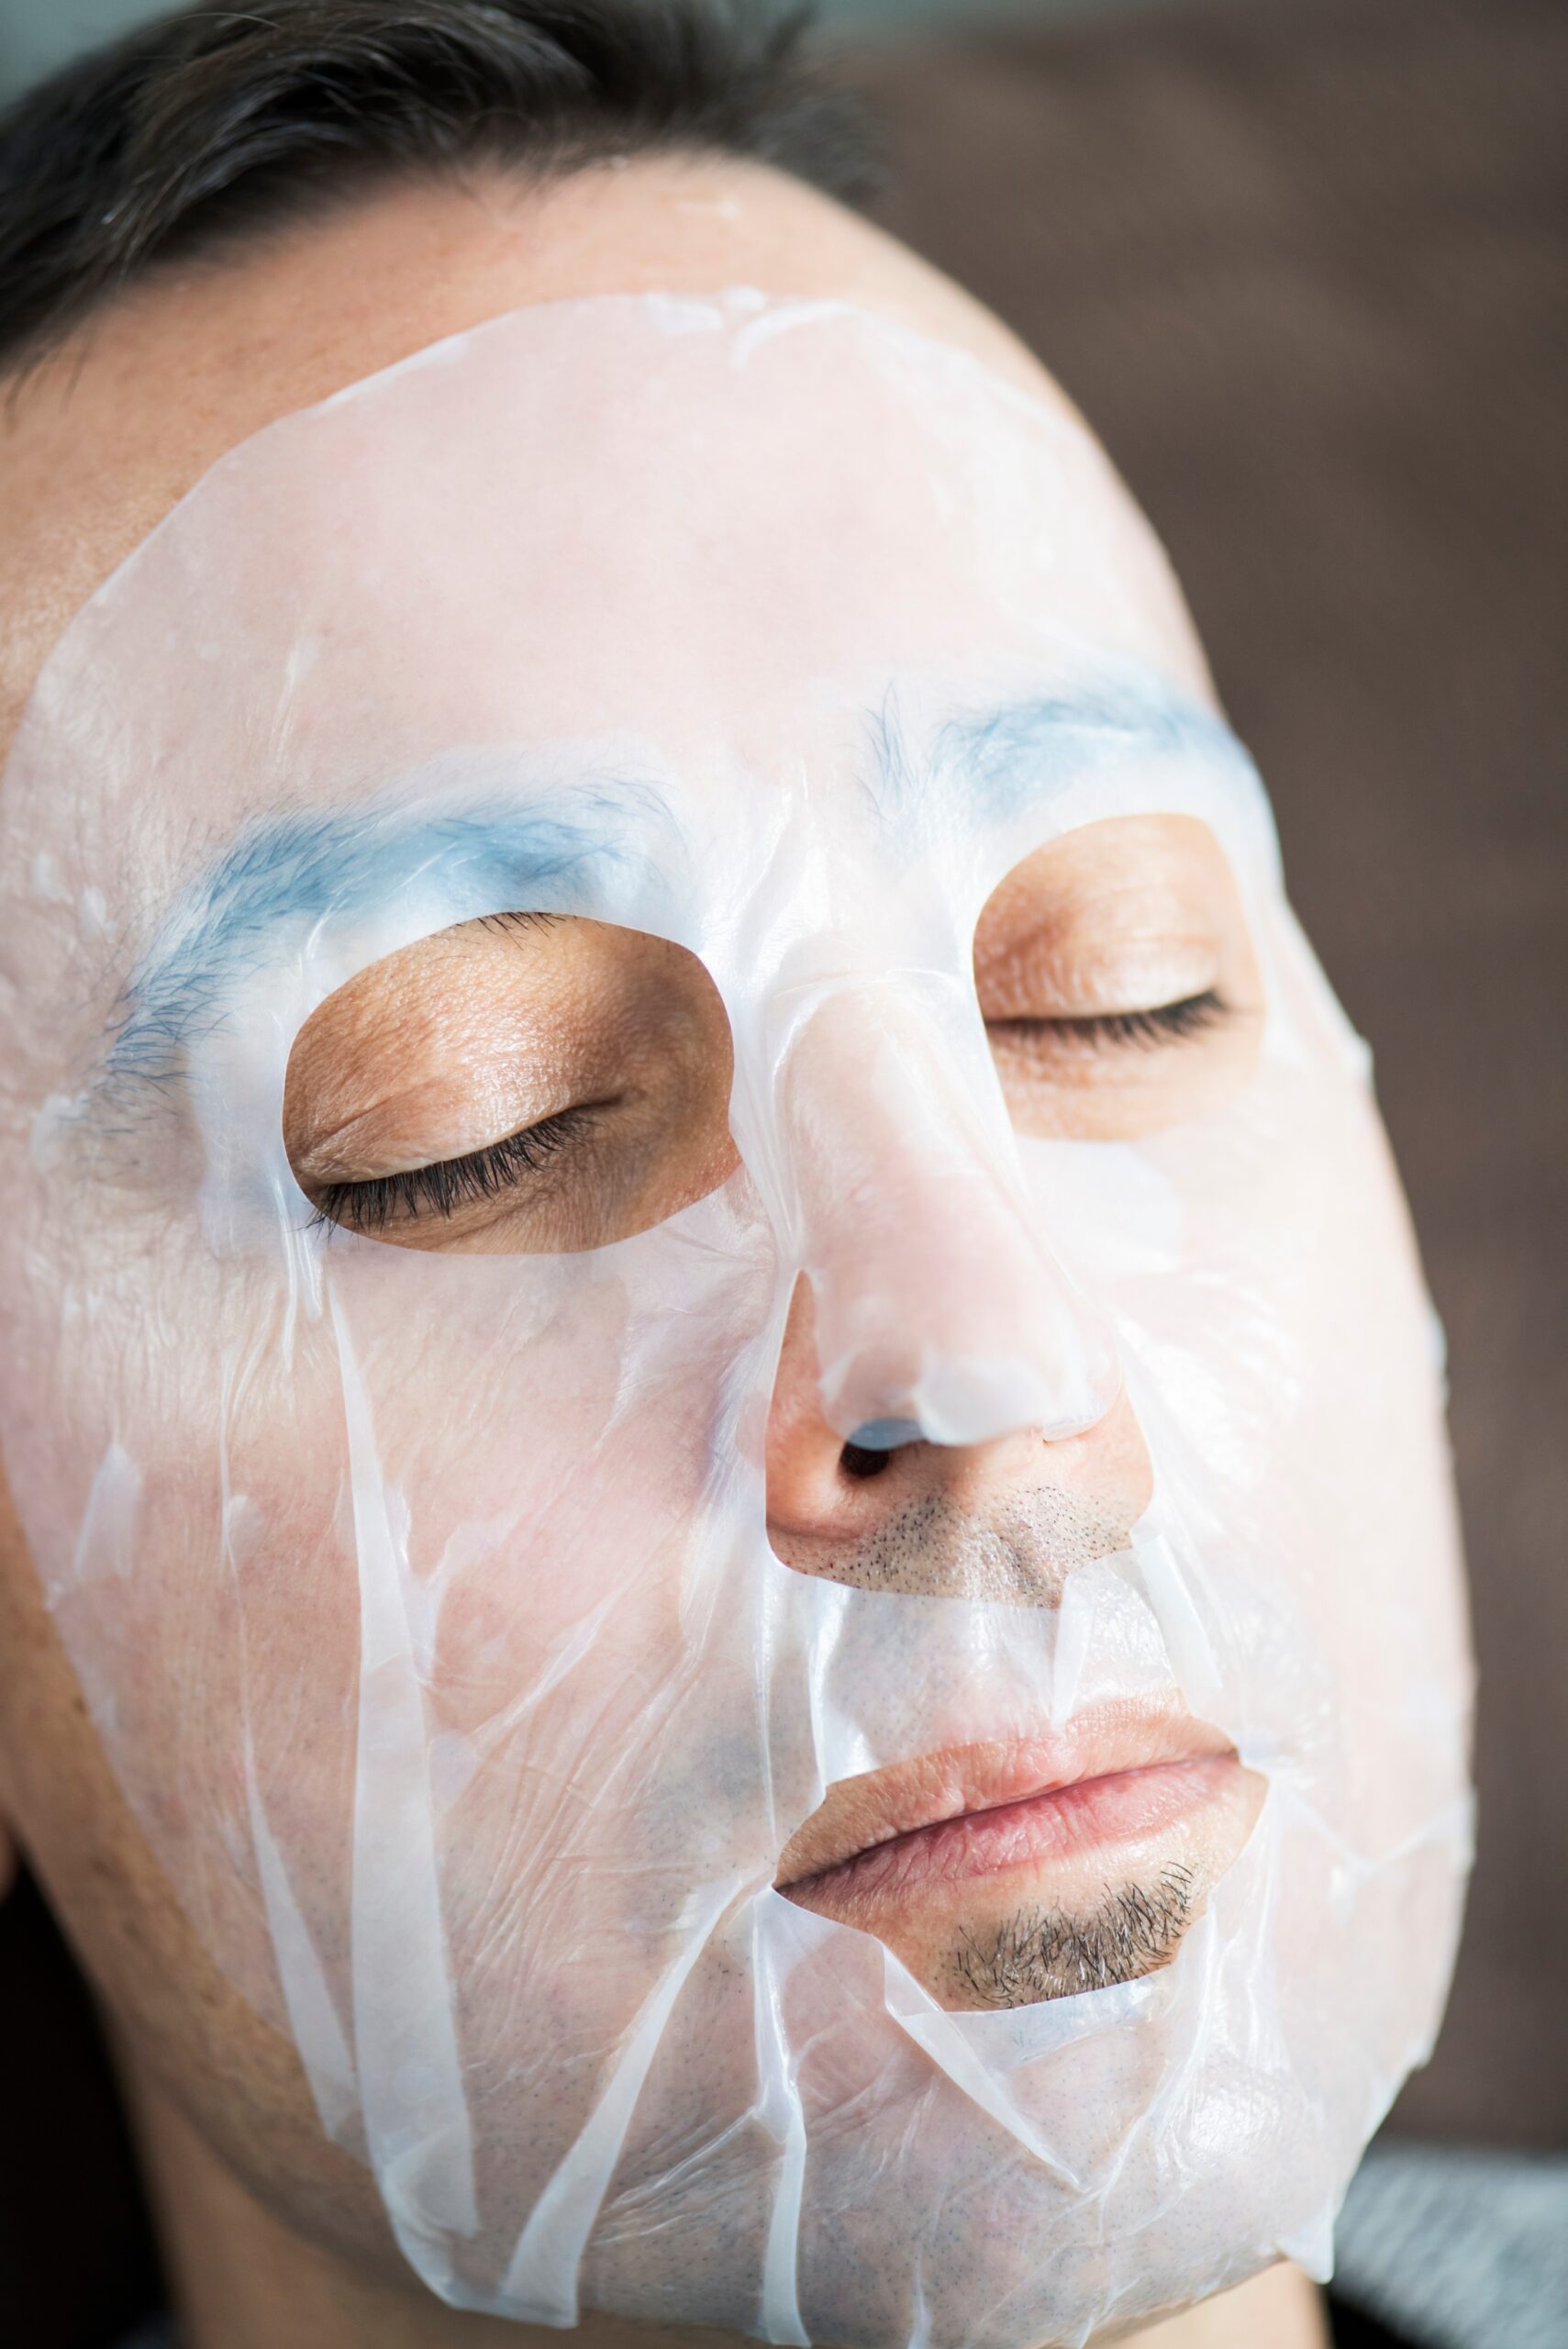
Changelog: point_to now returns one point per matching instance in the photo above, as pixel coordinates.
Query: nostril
(856, 1461)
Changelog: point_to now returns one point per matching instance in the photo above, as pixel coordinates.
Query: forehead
(718, 528)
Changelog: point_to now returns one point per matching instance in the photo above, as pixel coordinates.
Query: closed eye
(1160, 1024)
(448, 1184)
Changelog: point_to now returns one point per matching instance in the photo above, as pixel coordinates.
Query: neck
(242, 2280)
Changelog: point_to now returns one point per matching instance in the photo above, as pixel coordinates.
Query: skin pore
(478, 1038)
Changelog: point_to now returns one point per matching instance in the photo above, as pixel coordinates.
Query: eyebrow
(292, 871)
(1001, 756)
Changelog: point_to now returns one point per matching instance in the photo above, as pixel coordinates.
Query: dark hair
(212, 122)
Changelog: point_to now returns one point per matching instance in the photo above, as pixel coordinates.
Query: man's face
(715, 1377)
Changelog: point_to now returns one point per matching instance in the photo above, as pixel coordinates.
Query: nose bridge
(940, 1309)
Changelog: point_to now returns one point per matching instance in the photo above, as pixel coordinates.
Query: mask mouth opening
(1011, 1872)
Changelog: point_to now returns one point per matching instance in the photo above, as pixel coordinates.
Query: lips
(1120, 1776)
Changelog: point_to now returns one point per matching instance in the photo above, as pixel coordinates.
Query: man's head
(710, 1357)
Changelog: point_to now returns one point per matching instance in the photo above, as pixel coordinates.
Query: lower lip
(1067, 1824)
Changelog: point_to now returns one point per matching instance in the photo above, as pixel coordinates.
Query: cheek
(221, 1668)
(493, 1479)
(1296, 1363)
(232, 1497)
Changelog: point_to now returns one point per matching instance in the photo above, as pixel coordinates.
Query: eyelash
(448, 1184)
(1164, 1024)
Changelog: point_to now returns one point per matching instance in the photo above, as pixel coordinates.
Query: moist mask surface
(422, 1595)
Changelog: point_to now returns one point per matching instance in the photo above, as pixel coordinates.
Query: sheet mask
(424, 1603)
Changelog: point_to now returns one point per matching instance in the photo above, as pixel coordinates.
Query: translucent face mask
(422, 1594)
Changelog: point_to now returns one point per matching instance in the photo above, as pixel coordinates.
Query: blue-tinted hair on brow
(297, 868)
(1004, 754)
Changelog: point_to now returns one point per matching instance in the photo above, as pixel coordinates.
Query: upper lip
(859, 1814)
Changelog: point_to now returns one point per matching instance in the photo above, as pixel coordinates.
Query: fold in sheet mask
(424, 1601)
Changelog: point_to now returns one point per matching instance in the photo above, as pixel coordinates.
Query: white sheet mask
(424, 1602)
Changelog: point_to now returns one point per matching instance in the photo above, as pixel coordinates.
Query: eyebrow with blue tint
(1000, 757)
(284, 873)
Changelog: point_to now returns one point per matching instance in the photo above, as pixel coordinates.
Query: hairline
(123, 150)
(232, 244)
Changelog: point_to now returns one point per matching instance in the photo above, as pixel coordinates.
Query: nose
(888, 1510)
(941, 1313)
(940, 1368)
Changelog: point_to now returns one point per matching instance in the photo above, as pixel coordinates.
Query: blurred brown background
(1302, 263)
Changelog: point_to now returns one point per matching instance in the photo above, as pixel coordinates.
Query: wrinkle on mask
(439, 1585)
